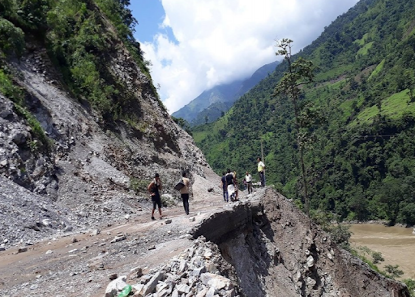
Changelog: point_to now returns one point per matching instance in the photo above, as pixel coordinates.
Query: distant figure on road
(224, 187)
(261, 171)
(248, 180)
(154, 189)
(185, 192)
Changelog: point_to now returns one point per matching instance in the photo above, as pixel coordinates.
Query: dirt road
(80, 264)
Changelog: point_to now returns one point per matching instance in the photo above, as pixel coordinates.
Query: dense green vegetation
(360, 161)
(81, 44)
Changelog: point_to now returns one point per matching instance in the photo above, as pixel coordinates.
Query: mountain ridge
(212, 103)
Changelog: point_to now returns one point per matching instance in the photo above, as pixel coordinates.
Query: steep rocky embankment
(277, 251)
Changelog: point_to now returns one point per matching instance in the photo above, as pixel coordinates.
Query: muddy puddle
(397, 245)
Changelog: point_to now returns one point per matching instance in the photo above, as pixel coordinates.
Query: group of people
(155, 187)
(230, 183)
(229, 186)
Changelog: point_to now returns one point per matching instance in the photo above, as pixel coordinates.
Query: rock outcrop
(277, 251)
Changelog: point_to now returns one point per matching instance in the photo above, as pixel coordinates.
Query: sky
(194, 45)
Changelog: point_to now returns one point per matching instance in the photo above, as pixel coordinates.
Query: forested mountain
(213, 103)
(360, 162)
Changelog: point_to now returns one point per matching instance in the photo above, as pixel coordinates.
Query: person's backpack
(179, 185)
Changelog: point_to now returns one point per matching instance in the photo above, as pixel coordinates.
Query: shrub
(410, 283)
(377, 257)
(340, 234)
(138, 185)
(11, 38)
(393, 271)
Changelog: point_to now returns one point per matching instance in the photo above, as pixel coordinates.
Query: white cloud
(219, 41)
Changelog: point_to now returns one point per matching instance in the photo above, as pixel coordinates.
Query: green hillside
(360, 162)
(76, 37)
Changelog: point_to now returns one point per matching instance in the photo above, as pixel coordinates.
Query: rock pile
(200, 271)
(26, 217)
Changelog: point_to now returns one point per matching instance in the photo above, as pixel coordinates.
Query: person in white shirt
(248, 180)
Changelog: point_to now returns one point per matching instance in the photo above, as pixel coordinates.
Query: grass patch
(392, 107)
(362, 41)
(398, 104)
(364, 50)
(377, 70)
(334, 72)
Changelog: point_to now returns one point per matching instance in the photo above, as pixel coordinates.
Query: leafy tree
(340, 234)
(11, 38)
(298, 74)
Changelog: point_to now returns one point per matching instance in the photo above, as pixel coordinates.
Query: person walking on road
(154, 189)
(248, 180)
(261, 171)
(184, 192)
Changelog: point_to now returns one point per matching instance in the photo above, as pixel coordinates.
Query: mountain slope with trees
(360, 160)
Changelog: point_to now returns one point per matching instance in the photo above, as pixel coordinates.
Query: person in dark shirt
(224, 187)
(154, 189)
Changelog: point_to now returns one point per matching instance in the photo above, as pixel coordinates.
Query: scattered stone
(151, 285)
(135, 273)
(95, 232)
(113, 276)
(310, 261)
(183, 288)
(168, 221)
(119, 238)
(116, 286)
(22, 250)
